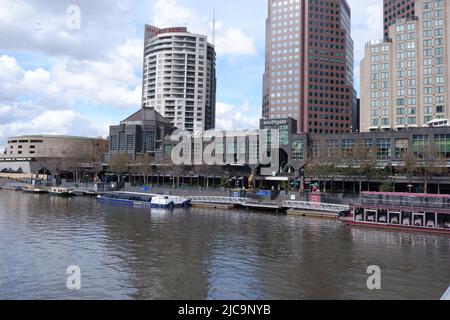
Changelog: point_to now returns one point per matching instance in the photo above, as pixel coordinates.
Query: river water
(129, 253)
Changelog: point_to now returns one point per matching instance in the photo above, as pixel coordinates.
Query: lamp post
(410, 186)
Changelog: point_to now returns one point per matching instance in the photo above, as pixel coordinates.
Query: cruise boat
(401, 211)
(34, 189)
(124, 198)
(61, 192)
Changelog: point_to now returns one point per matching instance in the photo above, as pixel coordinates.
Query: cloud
(60, 122)
(230, 41)
(32, 26)
(234, 117)
(234, 42)
(113, 82)
(28, 96)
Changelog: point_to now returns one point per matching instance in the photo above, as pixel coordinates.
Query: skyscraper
(395, 10)
(179, 78)
(405, 79)
(309, 64)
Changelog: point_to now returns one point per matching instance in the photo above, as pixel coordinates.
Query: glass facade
(298, 152)
(384, 149)
(442, 143)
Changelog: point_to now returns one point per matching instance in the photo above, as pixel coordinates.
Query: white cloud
(29, 97)
(32, 26)
(234, 42)
(167, 13)
(230, 41)
(234, 117)
(112, 82)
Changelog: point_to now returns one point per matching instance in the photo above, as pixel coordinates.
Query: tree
(118, 164)
(143, 164)
(367, 167)
(432, 165)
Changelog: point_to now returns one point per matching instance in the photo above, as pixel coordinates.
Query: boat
(61, 192)
(162, 202)
(34, 189)
(12, 186)
(178, 202)
(401, 211)
(124, 198)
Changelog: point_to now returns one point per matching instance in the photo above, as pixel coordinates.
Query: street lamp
(410, 186)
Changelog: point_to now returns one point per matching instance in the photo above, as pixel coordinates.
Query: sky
(74, 67)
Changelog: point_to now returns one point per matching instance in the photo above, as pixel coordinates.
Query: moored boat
(12, 186)
(124, 198)
(401, 211)
(178, 202)
(61, 192)
(162, 202)
(33, 189)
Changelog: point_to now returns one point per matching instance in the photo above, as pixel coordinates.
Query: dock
(263, 206)
(313, 214)
(213, 206)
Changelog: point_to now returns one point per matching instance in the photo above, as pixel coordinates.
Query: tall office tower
(405, 79)
(395, 10)
(309, 64)
(179, 78)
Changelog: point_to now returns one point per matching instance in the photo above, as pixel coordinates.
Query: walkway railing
(326, 207)
(218, 200)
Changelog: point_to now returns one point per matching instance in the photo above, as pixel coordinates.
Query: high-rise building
(395, 10)
(309, 64)
(179, 78)
(405, 79)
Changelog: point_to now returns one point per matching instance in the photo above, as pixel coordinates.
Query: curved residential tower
(179, 78)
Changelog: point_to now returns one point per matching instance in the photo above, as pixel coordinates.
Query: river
(131, 253)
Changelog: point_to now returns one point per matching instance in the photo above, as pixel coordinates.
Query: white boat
(162, 202)
(61, 192)
(179, 201)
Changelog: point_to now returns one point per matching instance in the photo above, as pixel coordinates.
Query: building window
(384, 149)
(130, 143)
(442, 143)
(122, 142)
(114, 144)
(149, 141)
(420, 145)
(298, 152)
(284, 135)
(401, 148)
(332, 149)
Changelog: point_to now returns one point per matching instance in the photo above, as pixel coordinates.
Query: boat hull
(35, 191)
(390, 227)
(62, 194)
